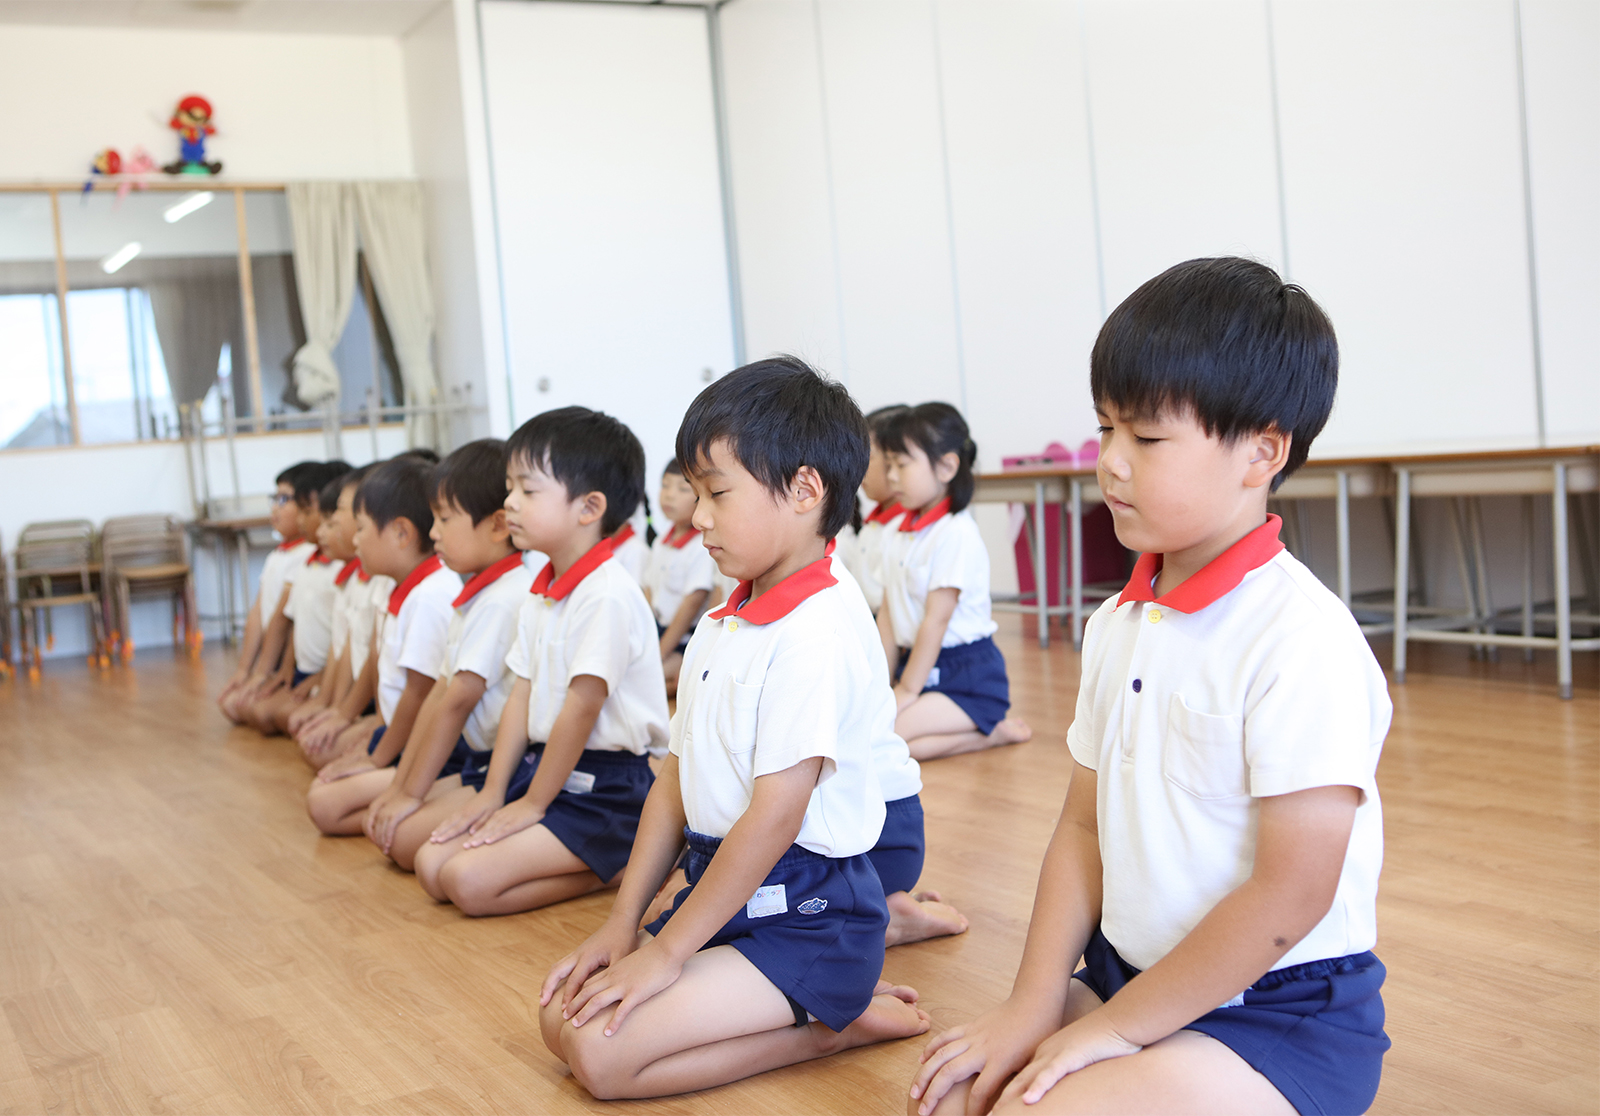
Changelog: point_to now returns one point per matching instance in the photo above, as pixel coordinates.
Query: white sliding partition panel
(881, 107)
(1561, 63)
(1023, 220)
(778, 141)
(608, 207)
(1181, 97)
(1403, 185)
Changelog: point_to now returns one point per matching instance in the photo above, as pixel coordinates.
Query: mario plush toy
(192, 121)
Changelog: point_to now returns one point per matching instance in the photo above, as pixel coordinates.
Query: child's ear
(592, 508)
(405, 534)
(1269, 452)
(945, 469)
(499, 530)
(806, 489)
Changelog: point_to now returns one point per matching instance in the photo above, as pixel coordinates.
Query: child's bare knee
(595, 1062)
(464, 886)
(427, 866)
(324, 810)
(550, 1023)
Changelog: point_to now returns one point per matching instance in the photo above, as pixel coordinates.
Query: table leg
(242, 540)
(1076, 511)
(1402, 567)
(1527, 575)
(1558, 511)
(1041, 591)
(1342, 522)
(224, 583)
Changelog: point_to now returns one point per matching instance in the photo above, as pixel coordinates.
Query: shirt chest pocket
(735, 714)
(1204, 752)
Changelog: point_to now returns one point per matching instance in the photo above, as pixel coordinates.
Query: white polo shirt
(593, 619)
(1248, 680)
(312, 602)
(767, 684)
(345, 587)
(938, 550)
(280, 568)
(367, 612)
(629, 551)
(679, 565)
(871, 543)
(415, 625)
(483, 626)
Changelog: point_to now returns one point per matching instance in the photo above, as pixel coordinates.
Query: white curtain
(323, 223)
(394, 239)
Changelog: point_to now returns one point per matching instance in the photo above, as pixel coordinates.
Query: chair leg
(123, 610)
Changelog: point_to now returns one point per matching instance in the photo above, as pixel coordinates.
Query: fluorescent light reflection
(121, 256)
(180, 210)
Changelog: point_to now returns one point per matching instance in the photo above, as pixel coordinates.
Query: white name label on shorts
(933, 678)
(767, 901)
(579, 782)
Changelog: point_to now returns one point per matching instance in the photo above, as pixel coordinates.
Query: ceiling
(327, 17)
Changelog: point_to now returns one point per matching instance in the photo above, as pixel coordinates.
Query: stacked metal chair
(57, 563)
(148, 555)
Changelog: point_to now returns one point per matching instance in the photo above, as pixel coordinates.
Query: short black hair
(878, 419)
(674, 468)
(778, 415)
(936, 429)
(421, 453)
(587, 451)
(328, 494)
(1227, 340)
(288, 475)
(473, 478)
(311, 476)
(398, 489)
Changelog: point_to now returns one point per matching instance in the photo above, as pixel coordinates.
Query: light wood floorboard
(175, 937)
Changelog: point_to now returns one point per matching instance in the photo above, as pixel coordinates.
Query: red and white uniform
(938, 549)
(1248, 680)
(679, 565)
(281, 567)
(415, 625)
(311, 605)
(594, 620)
(483, 626)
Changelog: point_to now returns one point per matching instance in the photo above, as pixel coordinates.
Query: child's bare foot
(892, 1014)
(916, 918)
(1012, 730)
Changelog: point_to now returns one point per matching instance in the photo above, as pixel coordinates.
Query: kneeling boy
(393, 538)
(773, 953)
(1216, 862)
(555, 821)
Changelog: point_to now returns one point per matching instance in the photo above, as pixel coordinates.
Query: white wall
(287, 106)
(608, 206)
(434, 92)
(1561, 60)
(939, 198)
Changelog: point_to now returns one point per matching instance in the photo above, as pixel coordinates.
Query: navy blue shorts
(901, 847)
(300, 676)
(824, 948)
(1314, 1030)
(973, 675)
(462, 756)
(596, 823)
(372, 745)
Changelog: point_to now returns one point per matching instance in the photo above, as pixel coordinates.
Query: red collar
(290, 544)
(487, 577)
(622, 536)
(351, 567)
(1213, 581)
(679, 544)
(318, 559)
(932, 515)
(425, 567)
(547, 584)
(885, 512)
(782, 598)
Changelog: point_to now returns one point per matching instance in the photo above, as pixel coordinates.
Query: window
(33, 396)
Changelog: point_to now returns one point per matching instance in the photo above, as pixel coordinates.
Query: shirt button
(733, 625)
(1155, 616)
(1137, 685)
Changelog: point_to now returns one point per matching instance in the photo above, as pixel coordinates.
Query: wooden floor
(174, 936)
